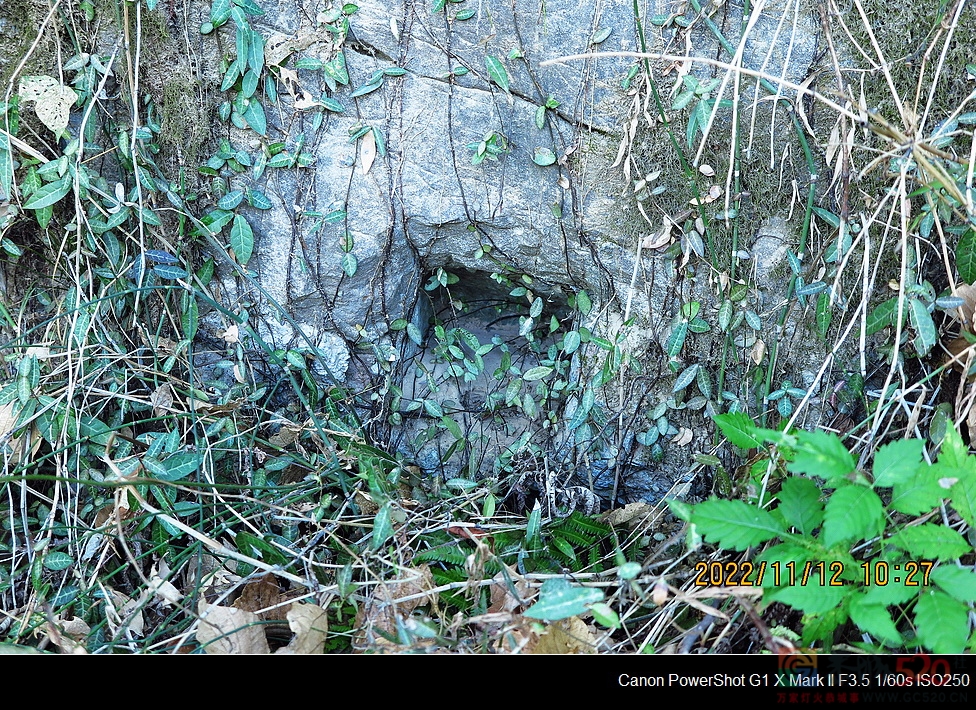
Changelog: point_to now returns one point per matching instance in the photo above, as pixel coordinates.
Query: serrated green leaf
(558, 599)
(942, 622)
(739, 429)
(735, 525)
(821, 454)
(875, 620)
(852, 513)
(957, 582)
(896, 462)
(241, 240)
(931, 541)
(812, 597)
(799, 504)
(497, 71)
(920, 493)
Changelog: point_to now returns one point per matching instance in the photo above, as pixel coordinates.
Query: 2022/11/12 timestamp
(879, 573)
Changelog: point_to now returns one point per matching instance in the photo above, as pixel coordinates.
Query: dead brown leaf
(224, 630)
(162, 399)
(570, 635)
(310, 624)
(630, 513)
(263, 597)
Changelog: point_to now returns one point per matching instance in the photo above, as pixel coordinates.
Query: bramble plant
(874, 547)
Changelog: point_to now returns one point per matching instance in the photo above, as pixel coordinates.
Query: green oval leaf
(497, 72)
(241, 240)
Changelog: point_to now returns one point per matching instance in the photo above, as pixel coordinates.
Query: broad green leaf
(896, 462)
(966, 256)
(241, 240)
(963, 495)
(258, 199)
(821, 454)
(558, 599)
(231, 200)
(57, 561)
(219, 12)
(497, 71)
(677, 339)
(254, 115)
(942, 622)
(571, 342)
(48, 194)
(735, 525)
(413, 332)
(824, 314)
(543, 157)
(882, 316)
(583, 410)
(583, 303)
(852, 513)
(433, 408)
(536, 373)
(875, 620)
(349, 264)
(957, 582)
(452, 426)
(920, 493)
(382, 527)
(181, 465)
(924, 326)
(167, 271)
(686, 377)
(739, 429)
(437, 6)
(931, 541)
(799, 504)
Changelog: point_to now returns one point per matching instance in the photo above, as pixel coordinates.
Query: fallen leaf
(706, 170)
(391, 599)
(684, 437)
(310, 624)
(162, 399)
(231, 335)
(262, 597)
(570, 635)
(224, 629)
(52, 100)
(631, 512)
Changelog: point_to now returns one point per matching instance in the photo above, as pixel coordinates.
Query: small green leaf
(349, 264)
(558, 599)
(231, 200)
(604, 614)
(677, 339)
(536, 373)
(824, 314)
(254, 115)
(497, 72)
(601, 35)
(543, 157)
(924, 326)
(382, 527)
(583, 304)
(686, 377)
(413, 332)
(57, 561)
(241, 240)
(464, 15)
